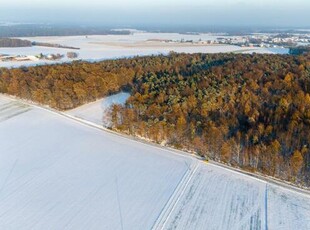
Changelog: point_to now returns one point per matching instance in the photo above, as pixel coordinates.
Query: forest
(34, 30)
(248, 110)
(13, 42)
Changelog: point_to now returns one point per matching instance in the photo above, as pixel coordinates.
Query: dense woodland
(34, 30)
(299, 50)
(248, 110)
(13, 42)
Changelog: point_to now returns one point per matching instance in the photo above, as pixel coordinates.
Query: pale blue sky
(148, 3)
(174, 12)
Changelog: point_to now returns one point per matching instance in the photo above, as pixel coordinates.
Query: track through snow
(175, 197)
(218, 199)
(60, 172)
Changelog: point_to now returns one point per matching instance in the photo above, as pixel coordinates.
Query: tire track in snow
(158, 219)
(175, 197)
(119, 204)
(12, 109)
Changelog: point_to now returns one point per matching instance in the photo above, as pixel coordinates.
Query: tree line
(34, 30)
(248, 110)
(14, 42)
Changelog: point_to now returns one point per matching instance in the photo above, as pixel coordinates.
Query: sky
(272, 13)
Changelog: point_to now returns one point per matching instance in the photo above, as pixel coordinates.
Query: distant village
(48, 57)
(255, 40)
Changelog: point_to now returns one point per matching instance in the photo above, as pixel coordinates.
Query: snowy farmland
(57, 173)
(100, 47)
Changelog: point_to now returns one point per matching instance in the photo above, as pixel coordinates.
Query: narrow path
(175, 197)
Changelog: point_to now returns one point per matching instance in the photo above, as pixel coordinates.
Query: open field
(100, 47)
(97, 112)
(237, 203)
(58, 173)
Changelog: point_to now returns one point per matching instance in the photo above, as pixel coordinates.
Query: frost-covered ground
(57, 173)
(98, 111)
(100, 47)
(222, 199)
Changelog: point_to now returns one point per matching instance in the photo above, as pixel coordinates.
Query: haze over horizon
(275, 13)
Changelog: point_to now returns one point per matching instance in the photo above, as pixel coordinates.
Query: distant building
(72, 55)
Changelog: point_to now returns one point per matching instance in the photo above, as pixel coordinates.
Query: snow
(220, 199)
(286, 210)
(57, 173)
(100, 47)
(97, 112)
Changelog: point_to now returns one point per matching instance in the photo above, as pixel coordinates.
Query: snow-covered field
(100, 47)
(57, 173)
(220, 199)
(98, 111)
